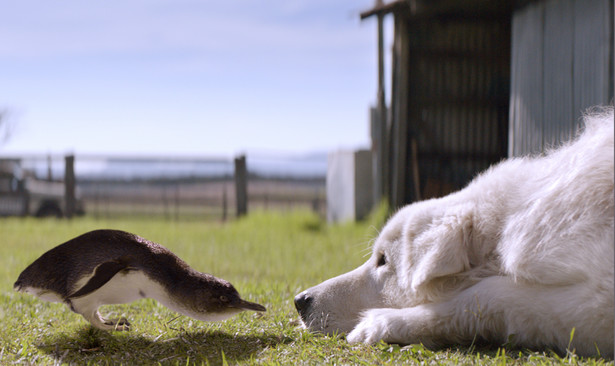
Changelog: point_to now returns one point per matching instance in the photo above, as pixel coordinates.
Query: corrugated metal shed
(458, 97)
(475, 81)
(562, 63)
(450, 93)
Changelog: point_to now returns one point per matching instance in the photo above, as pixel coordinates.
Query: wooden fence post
(177, 203)
(69, 186)
(224, 202)
(241, 185)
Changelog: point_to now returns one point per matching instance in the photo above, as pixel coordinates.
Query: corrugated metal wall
(458, 97)
(562, 63)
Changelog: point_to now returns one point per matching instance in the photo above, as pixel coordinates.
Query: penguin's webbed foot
(94, 317)
(120, 324)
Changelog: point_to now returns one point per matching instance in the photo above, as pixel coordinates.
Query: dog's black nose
(303, 301)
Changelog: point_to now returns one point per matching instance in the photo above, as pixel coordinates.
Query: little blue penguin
(115, 267)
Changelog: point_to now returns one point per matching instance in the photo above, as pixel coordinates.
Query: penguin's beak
(246, 305)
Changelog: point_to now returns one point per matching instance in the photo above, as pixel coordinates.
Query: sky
(186, 77)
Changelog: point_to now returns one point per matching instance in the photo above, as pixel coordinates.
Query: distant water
(309, 166)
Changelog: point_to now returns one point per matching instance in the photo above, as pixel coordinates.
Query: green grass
(269, 257)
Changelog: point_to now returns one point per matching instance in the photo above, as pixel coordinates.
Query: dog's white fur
(522, 255)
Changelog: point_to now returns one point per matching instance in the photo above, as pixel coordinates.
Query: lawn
(269, 257)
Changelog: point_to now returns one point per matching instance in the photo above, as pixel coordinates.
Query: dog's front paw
(373, 327)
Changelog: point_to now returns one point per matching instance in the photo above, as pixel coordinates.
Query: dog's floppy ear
(443, 248)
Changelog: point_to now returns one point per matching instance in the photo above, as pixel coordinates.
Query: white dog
(522, 255)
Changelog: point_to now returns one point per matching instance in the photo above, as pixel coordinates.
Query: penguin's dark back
(68, 262)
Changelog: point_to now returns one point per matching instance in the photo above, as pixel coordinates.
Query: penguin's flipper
(102, 274)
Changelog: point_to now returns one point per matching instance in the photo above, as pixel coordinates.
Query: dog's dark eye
(382, 260)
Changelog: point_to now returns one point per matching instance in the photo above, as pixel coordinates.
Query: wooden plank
(400, 131)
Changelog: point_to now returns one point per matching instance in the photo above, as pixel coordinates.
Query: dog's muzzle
(303, 302)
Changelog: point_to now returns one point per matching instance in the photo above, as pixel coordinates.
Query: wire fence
(185, 188)
(198, 199)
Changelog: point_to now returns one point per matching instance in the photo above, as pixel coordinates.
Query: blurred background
(201, 110)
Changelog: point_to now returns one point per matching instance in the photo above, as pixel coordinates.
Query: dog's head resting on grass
(525, 250)
(413, 249)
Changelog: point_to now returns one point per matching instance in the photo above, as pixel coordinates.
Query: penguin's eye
(223, 298)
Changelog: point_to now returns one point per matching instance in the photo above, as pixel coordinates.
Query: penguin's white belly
(133, 285)
(123, 288)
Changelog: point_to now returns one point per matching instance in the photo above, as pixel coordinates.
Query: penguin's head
(216, 299)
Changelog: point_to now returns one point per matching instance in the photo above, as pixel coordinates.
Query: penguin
(115, 267)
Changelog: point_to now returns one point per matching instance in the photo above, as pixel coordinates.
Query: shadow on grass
(209, 347)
